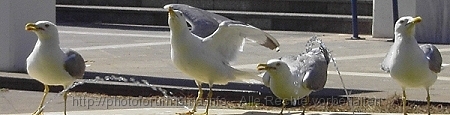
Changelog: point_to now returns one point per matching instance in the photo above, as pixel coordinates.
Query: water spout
(316, 41)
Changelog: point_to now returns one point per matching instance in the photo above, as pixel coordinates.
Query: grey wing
(203, 23)
(315, 76)
(293, 60)
(74, 63)
(434, 57)
(266, 79)
(254, 34)
(387, 61)
(228, 39)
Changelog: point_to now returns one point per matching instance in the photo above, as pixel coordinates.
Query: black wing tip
(274, 45)
(277, 49)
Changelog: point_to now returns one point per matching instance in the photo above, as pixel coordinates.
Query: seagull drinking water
(296, 76)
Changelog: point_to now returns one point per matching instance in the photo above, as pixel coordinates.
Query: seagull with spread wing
(206, 56)
(51, 65)
(408, 63)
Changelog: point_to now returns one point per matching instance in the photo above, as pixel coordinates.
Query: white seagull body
(207, 59)
(408, 63)
(51, 65)
(45, 64)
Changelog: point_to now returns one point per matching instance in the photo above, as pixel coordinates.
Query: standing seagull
(207, 59)
(51, 65)
(294, 77)
(409, 64)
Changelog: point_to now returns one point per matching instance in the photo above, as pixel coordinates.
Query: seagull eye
(402, 21)
(46, 25)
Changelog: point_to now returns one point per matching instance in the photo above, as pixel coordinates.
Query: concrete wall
(16, 43)
(383, 22)
(292, 6)
(435, 27)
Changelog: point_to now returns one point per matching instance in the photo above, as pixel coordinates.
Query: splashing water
(114, 78)
(143, 82)
(151, 86)
(316, 41)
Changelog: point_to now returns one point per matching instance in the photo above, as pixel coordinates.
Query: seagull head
(43, 29)
(406, 25)
(273, 65)
(176, 17)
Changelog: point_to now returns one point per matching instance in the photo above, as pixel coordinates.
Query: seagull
(408, 63)
(51, 65)
(296, 76)
(207, 59)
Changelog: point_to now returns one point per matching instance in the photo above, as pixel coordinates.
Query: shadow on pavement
(190, 84)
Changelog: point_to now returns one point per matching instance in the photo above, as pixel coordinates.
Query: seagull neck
(49, 41)
(282, 77)
(405, 38)
(179, 32)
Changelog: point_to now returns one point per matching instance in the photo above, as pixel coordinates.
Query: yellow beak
(31, 26)
(262, 66)
(171, 12)
(416, 19)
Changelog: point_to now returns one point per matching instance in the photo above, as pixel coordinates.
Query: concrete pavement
(145, 51)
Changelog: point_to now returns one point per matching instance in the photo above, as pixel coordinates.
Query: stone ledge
(264, 20)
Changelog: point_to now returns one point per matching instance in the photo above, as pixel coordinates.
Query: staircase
(288, 15)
